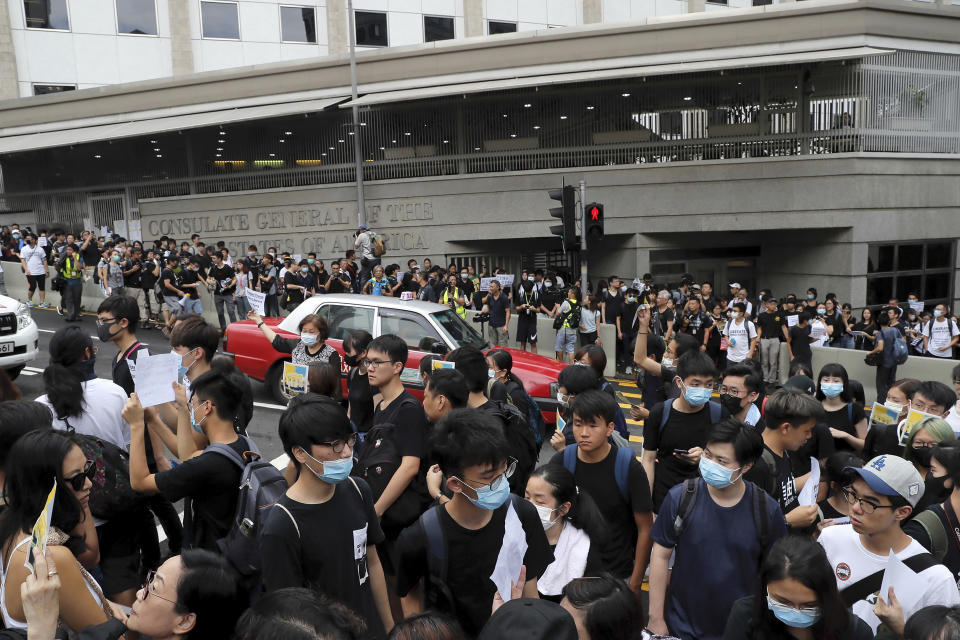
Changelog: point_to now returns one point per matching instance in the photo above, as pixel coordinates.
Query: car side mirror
(438, 348)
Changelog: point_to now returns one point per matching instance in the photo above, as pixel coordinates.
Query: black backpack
(377, 460)
(573, 315)
(523, 446)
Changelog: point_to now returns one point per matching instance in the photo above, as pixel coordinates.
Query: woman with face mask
(885, 438)
(573, 525)
(820, 329)
(359, 391)
(847, 420)
(309, 348)
(797, 599)
(936, 527)
(923, 438)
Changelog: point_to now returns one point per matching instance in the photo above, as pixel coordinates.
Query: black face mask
(730, 403)
(922, 455)
(352, 361)
(103, 332)
(934, 487)
(85, 367)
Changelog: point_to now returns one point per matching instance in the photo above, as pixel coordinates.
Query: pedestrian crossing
(31, 371)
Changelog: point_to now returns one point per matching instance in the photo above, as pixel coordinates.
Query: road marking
(624, 406)
(34, 369)
(267, 405)
(280, 462)
(29, 373)
(631, 395)
(637, 423)
(636, 439)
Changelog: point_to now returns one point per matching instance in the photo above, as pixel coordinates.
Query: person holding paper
(311, 347)
(884, 494)
(473, 454)
(923, 438)
(798, 599)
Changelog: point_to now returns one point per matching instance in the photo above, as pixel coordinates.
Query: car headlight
(23, 316)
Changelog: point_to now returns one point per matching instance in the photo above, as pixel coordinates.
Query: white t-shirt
(941, 333)
(953, 419)
(34, 258)
(851, 562)
(102, 403)
(739, 334)
(364, 244)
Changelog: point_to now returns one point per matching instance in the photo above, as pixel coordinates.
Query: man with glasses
(933, 397)
(738, 394)
(330, 509)
(446, 559)
(881, 498)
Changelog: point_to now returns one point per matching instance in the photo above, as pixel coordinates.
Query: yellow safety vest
(70, 269)
(573, 307)
(459, 309)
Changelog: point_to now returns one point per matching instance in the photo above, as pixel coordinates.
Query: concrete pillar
(181, 41)
(473, 18)
(592, 11)
(9, 86)
(338, 25)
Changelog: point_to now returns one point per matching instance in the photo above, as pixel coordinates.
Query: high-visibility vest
(459, 309)
(71, 269)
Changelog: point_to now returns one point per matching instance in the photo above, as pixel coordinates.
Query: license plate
(6, 347)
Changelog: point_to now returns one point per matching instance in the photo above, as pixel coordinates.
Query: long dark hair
(835, 370)
(504, 361)
(583, 513)
(613, 612)
(802, 559)
(62, 380)
(35, 459)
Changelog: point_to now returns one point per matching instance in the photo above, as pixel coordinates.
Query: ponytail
(62, 380)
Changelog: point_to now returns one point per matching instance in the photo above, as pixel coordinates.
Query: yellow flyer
(913, 417)
(41, 530)
(883, 415)
(294, 378)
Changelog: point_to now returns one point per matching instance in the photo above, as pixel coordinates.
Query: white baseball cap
(735, 285)
(891, 475)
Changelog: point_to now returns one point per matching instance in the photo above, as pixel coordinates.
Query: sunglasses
(76, 482)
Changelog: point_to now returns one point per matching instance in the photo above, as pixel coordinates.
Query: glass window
(220, 20)
(437, 28)
(414, 330)
(937, 286)
(458, 330)
(43, 89)
(880, 258)
(494, 27)
(371, 28)
(879, 290)
(137, 17)
(938, 255)
(909, 256)
(342, 319)
(908, 284)
(298, 24)
(46, 14)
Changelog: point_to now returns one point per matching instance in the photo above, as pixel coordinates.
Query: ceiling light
(153, 142)
(219, 148)
(273, 155)
(528, 105)
(156, 149)
(363, 124)
(504, 115)
(323, 154)
(382, 148)
(349, 133)
(513, 135)
(288, 133)
(590, 107)
(446, 142)
(406, 133)
(341, 140)
(688, 98)
(476, 148)
(219, 155)
(394, 141)
(331, 148)
(282, 140)
(159, 156)
(220, 140)
(563, 117)
(625, 95)
(97, 156)
(536, 126)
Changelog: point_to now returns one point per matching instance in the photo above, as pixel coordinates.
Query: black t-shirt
(820, 446)
(613, 305)
(360, 399)
(659, 320)
(868, 328)
(800, 343)
(168, 276)
(779, 482)
(628, 317)
(211, 480)
(531, 298)
(827, 510)
(881, 439)
(598, 479)
(339, 285)
(498, 309)
(410, 423)
(551, 298)
(471, 558)
(223, 274)
(147, 279)
(327, 549)
(841, 419)
(91, 255)
(682, 431)
(132, 279)
(951, 525)
(771, 325)
(189, 276)
(121, 371)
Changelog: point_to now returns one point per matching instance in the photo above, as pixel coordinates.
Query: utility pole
(357, 148)
(583, 243)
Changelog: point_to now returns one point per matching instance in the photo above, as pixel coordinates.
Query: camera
(481, 317)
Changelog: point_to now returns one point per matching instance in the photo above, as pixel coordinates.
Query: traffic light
(567, 213)
(593, 221)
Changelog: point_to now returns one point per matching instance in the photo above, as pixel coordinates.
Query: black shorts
(527, 330)
(119, 555)
(37, 282)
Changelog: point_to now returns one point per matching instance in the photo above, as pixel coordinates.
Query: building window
(494, 27)
(43, 89)
(437, 28)
(136, 17)
(298, 24)
(371, 28)
(220, 20)
(923, 268)
(758, 3)
(46, 14)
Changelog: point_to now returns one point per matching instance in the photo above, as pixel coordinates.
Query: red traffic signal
(593, 221)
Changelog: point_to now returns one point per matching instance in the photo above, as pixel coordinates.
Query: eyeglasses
(495, 483)
(337, 445)
(107, 323)
(150, 590)
(868, 507)
(733, 391)
(373, 364)
(77, 481)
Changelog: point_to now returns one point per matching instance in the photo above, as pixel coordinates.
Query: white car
(19, 337)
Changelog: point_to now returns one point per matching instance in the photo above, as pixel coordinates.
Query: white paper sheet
(155, 378)
(256, 300)
(808, 495)
(42, 241)
(792, 320)
(906, 585)
(512, 550)
(917, 306)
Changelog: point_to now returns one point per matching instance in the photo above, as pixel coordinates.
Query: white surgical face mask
(546, 514)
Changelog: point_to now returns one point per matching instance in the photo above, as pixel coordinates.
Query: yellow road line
(636, 438)
(638, 423)
(631, 395)
(624, 406)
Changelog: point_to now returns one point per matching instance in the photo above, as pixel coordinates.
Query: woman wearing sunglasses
(34, 462)
(797, 599)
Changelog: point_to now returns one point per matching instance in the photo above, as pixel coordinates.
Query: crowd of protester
(461, 514)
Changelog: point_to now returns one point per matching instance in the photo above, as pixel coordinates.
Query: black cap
(801, 382)
(529, 619)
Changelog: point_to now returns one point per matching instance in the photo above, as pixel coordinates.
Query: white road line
(29, 373)
(280, 462)
(34, 369)
(267, 405)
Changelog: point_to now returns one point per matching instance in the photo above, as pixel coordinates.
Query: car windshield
(457, 330)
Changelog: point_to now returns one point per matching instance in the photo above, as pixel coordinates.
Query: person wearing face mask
(675, 432)
(527, 304)
(300, 284)
(333, 510)
(923, 438)
(224, 281)
(574, 527)
(309, 348)
(820, 331)
(937, 527)
(190, 282)
(359, 390)
(885, 438)
(847, 419)
(628, 325)
(739, 390)
(473, 454)
(798, 599)
(941, 334)
(207, 476)
(718, 527)
(611, 300)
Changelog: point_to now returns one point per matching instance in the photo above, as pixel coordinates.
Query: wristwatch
(437, 499)
(259, 324)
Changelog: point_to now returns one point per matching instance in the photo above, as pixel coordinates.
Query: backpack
(900, 350)
(376, 462)
(111, 495)
(523, 447)
(377, 247)
(761, 518)
(573, 315)
(261, 485)
(931, 523)
(715, 412)
(621, 467)
(534, 417)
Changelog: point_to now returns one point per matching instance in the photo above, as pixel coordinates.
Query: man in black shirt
(190, 282)
(771, 326)
(339, 281)
(798, 340)
(474, 456)
(269, 277)
(497, 303)
(662, 317)
(528, 302)
(696, 323)
(611, 300)
(224, 281)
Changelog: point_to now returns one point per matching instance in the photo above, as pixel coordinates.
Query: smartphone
(682, 451)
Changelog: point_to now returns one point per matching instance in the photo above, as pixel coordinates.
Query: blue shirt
(717, 559)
